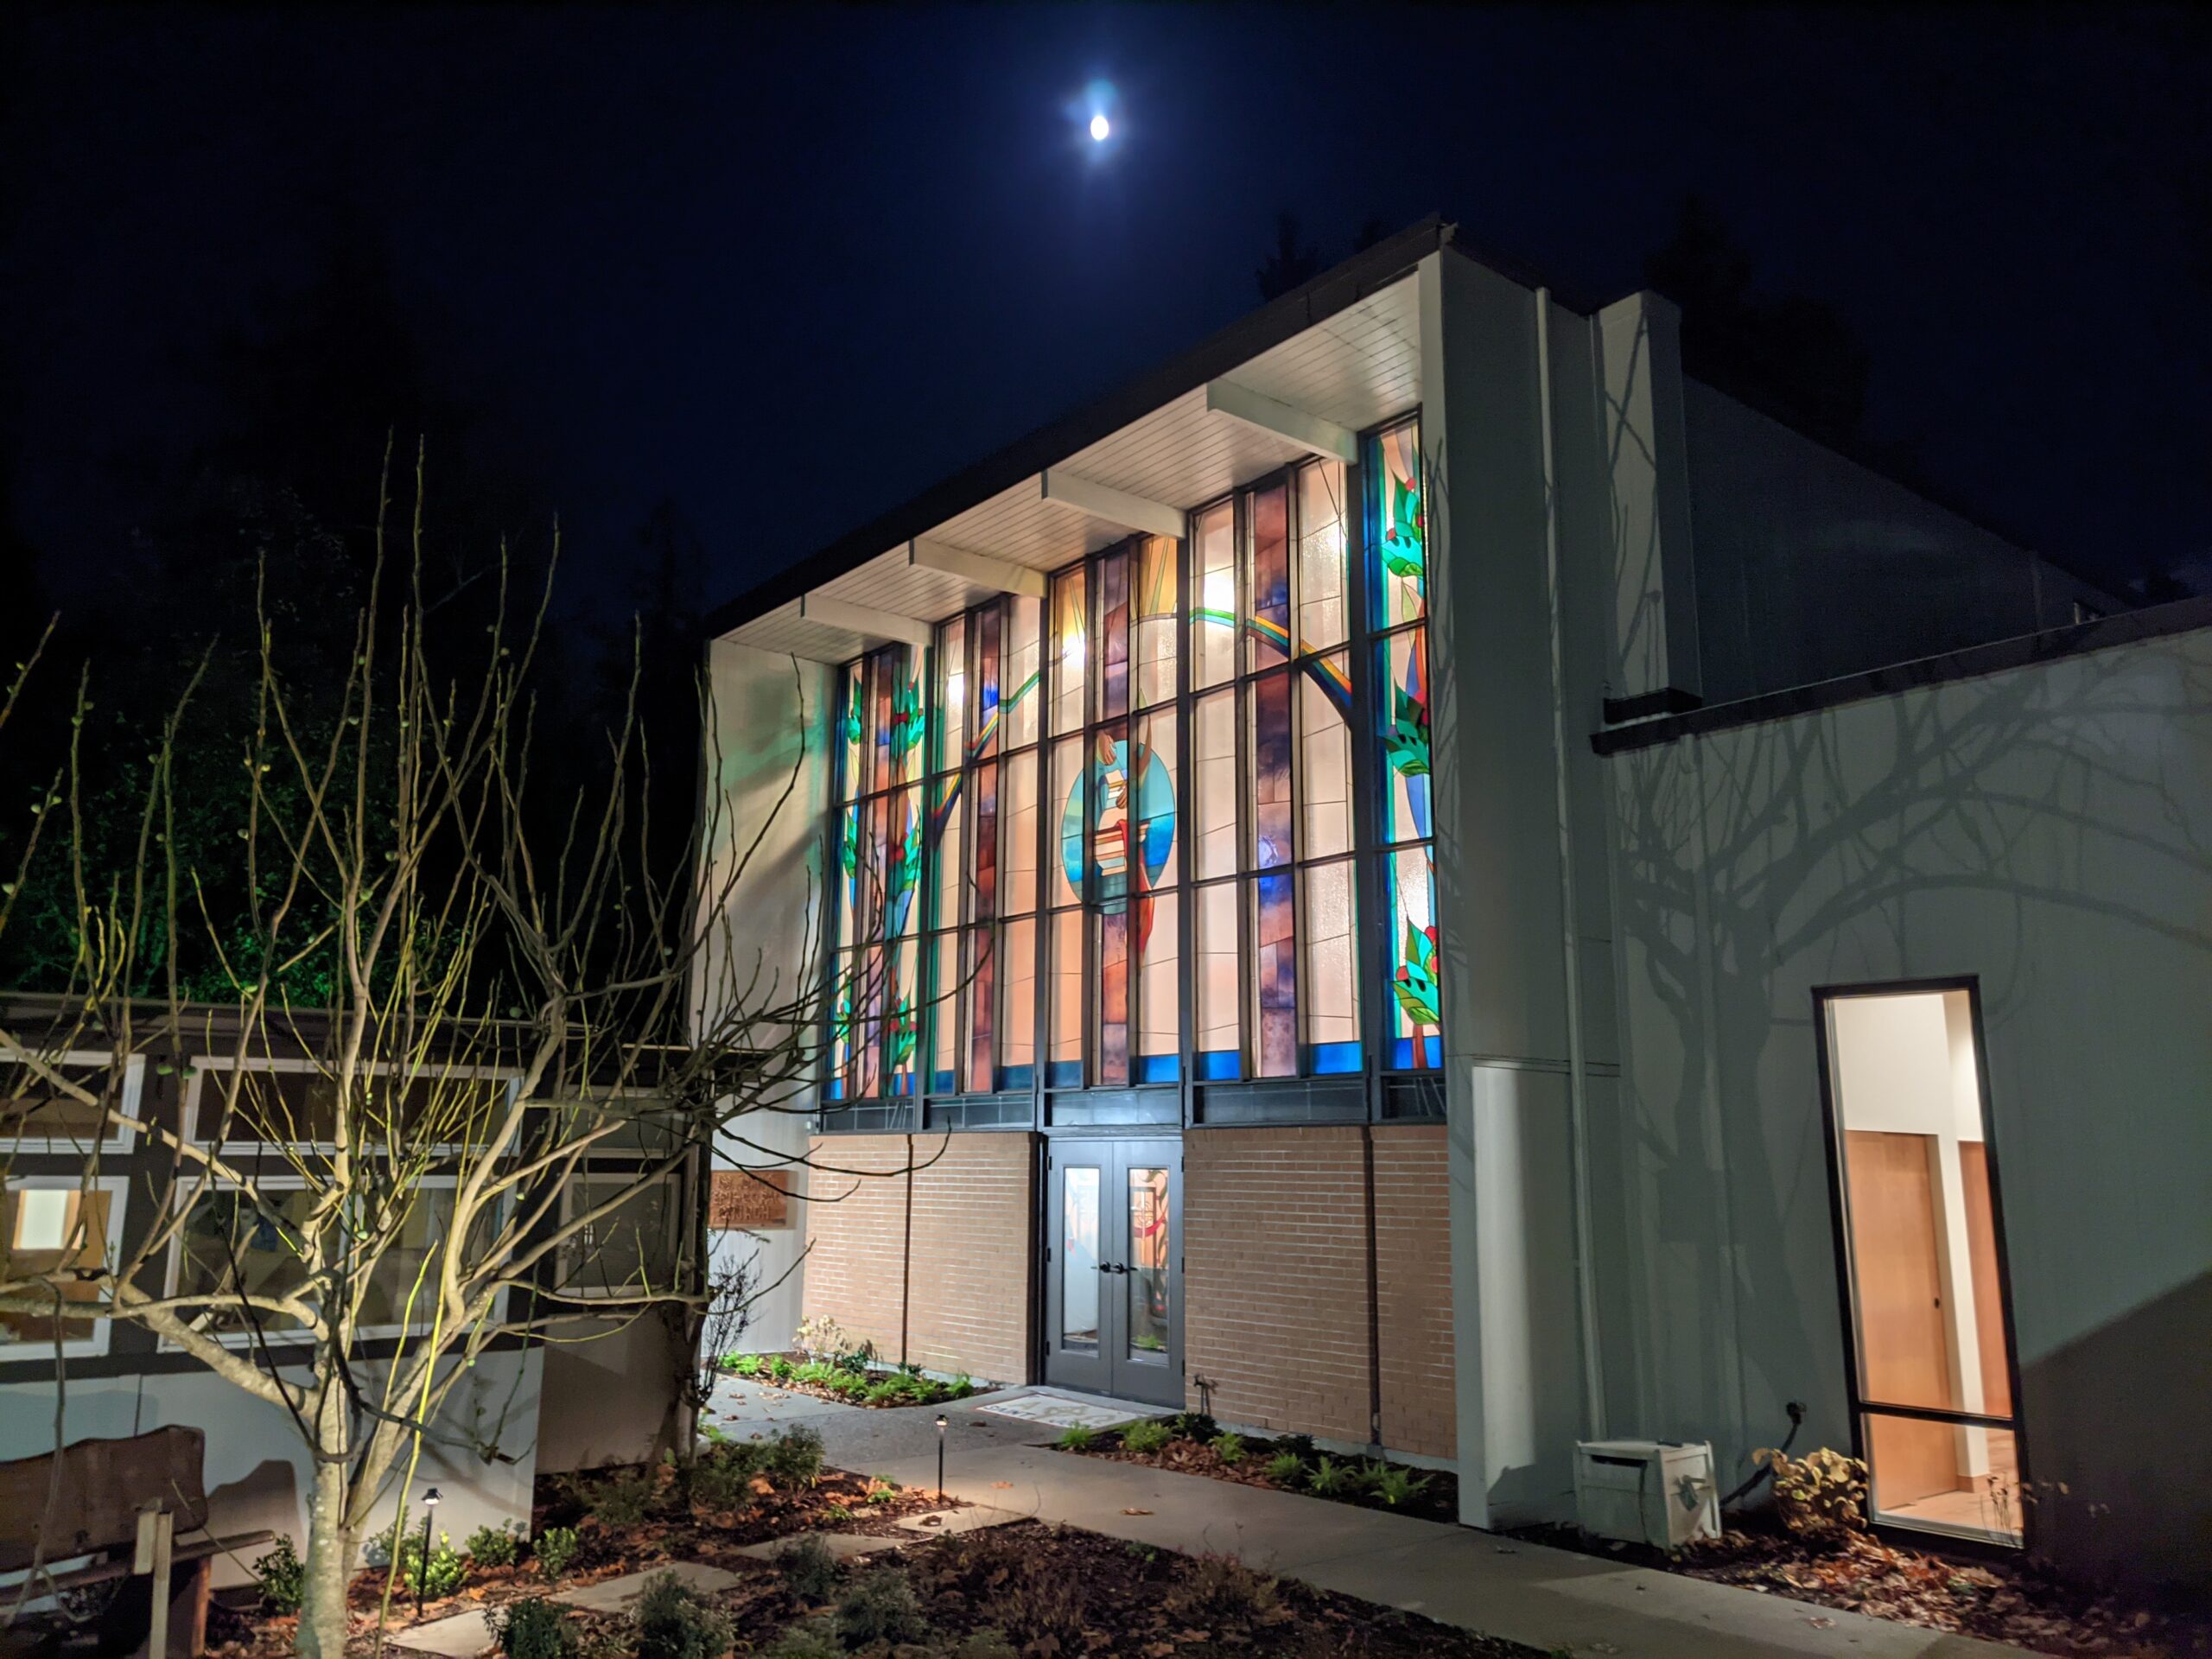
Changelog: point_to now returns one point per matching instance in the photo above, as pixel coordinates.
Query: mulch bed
(1437, 1500)
(1057, 1592)
(2003, 1601)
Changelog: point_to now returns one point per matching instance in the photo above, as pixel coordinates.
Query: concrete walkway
(1548, 1599)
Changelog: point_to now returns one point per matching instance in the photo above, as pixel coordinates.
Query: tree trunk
(324, 1621)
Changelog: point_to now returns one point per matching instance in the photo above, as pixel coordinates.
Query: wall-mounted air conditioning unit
(1656, 1492)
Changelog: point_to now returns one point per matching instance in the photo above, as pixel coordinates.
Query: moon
(1100, 127)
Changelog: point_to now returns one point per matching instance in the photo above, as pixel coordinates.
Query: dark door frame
(1115, 1156)
(1846, 1289)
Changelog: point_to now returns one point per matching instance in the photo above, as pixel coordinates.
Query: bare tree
(505, 1009)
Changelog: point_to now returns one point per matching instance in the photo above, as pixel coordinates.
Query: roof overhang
(1299, 377)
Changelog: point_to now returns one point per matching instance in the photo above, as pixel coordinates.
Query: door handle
(1112, 1267)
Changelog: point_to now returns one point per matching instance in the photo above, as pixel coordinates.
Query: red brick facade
(960, 1300)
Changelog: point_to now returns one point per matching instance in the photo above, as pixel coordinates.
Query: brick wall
(963, 1302)
(969, 1299)
(1274, 1277)
(1413, 1259)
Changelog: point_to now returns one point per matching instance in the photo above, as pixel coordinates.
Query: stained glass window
(1133, 826)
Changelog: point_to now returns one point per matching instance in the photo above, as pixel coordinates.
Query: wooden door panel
(1988, 1291)
(1903, 1344)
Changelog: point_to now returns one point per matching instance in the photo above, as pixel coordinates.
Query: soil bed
(1195, 1448)
(2003, 1601)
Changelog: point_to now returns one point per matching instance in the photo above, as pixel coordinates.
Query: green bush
(985, 1644)
(880, 1606)
(1229, 1447)
(744, 1364)
(722, 1479)
(811, 1638)
(672, 1621)
(1147, 1437)
(493, 1546)
(1218, 1590)
(1329, 1478)
(1195, 1426)
(782, 1369)
(793, 1458)
(532, 1628)
(961, 1386)
(1299, 1445)
(554, 1548)
(853, 1385)
(808, 1569)
(816, 1371)
(445, 1572)
(1286, 1469)
(883, 1393)
(623, 1501)
(1077, 1437)
(284, 1578)
(1396, 1484)
(854, 1361)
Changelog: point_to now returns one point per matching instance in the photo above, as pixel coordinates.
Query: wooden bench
(138, 1504)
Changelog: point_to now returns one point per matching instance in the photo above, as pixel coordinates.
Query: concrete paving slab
(945, 1523)
(461, 1637)
(611, 1594)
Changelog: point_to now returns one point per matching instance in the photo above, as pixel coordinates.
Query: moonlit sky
(788, 270)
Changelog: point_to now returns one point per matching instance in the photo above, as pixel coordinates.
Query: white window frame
(203, 1065)
(290, 1337)
(570, 1193)
(118, 1187)
(119, 1138)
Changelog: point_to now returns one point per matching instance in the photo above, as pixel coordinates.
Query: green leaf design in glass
(1415, 985)
(1405, 739)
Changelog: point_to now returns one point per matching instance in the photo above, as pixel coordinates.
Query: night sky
(786, 271)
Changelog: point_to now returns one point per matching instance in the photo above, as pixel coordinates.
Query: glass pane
(903, 1030)
(230, 1247)
(883, 724)
(1148, 1258)
(1954, 1477)
(905, 886)
(905, 666)
(1403, 727)
(1112, 805)
(1020, 699)
(868, 1003)
(1071, 651)
(951, 693)
(1018, 1011)
(948, 858)
(1079, 1275)
(1220, 1043)
(45, 1229)
(1416, 991)
(1321, 555)
(35, 1108)
(1324, 758)
(1158, 949)
(1213, 609)
(1215, 823)
(844, 973)
(1070, 799)
(943, 1016)
(1153, 606)
(1019, 808)
(1065, 1070)
(851, 731)
(989, 624)
(1268, 701)
(1111, 1062)
(1269, 631)
(1397, 530)
(982, 1009)
(849, 869)
(1328, 995)
(1156, 865)
(984, 890)
(1113, 636)
(1274, 977)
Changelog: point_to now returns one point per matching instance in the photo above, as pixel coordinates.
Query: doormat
(1060, 1411)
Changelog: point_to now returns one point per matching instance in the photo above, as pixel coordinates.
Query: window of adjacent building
(38, 1115)
(1931, 1345)
(295, 1103)
(48, 1224)
(629, 1249)
(1132, 829)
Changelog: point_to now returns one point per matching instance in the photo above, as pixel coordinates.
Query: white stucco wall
(768, 765)
(2047, 830)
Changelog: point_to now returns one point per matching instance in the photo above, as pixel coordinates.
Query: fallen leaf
(1136, 1511)
(1821, 1622)
(1001, 1485)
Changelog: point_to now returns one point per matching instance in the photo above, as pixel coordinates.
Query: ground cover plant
(853, 1376)
(1191, 1443)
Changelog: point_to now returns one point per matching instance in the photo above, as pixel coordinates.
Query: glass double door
(1114, 1268)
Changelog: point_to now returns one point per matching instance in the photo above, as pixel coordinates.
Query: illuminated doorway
(1922, 1260)
(1114, 1268)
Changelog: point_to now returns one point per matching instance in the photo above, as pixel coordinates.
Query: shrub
(1038, 1606)
(722, 1479)
(1286, 1469)
(1230, 1447)
(816, 1371)
(671, 1621)
(623, 1501)
(1077, 1437)
(793, 1458)
(1147, 1437)
(1220, 1589)
(820, 1337)
(879, 1393)
(1822, 1492)
(1299, 1445)
(1195, 1426)
(782, 1369)
(880, 1606)
(985, 1644)
(1396, 1484)
(532, 1628)
(808, 1569)
(284, 1578)
(1329, 1478)
(554, 1547)
(811, 1638)
(444, 1573)
(744, 1365)
(854, 1361)
(493, 1546)
(959, 1388)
